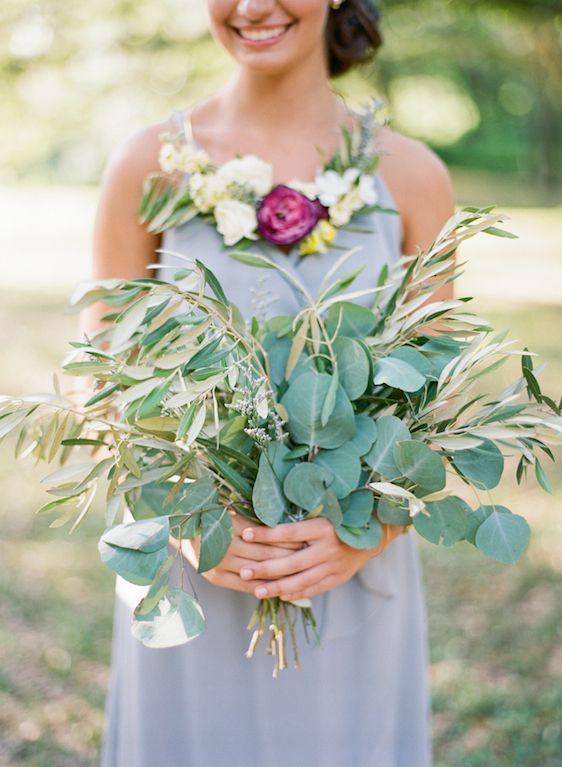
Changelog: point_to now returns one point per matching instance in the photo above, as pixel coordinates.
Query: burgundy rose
(286, 216)
(322, 209)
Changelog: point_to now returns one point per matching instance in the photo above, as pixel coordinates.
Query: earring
(335, 4)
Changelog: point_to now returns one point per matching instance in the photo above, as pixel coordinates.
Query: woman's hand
(325, 562)
(240, 554)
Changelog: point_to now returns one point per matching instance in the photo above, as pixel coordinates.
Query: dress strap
(182, 123)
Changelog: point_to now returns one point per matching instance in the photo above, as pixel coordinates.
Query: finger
(324, 585)
(228, 580)
(235, 564)
(276, 568)
(241, 523)
(303, 531)
(292, 584)
(260, 551)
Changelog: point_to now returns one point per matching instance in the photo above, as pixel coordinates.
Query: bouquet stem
(279, 618)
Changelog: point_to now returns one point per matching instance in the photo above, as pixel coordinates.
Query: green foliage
(305, 416)
(268, 499)
(304, 400)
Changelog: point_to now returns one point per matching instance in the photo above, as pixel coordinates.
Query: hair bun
(352, 35)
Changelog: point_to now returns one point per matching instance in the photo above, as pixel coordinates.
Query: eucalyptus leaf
(398, 374)
(354, 320)
(216, 537)
(364, 435)
(393, 513)
(304, 400)
(330, 399)
(331, 508)
(268, 500)
(135, 566)
(421, 464)
(368, 537)
(145, 535)
(482, 465)
(414, 358)
(157, 589)
(503, 537)
(353, 366)
(280, 458)
(479, 515)
(306, 483)
(357, 508)
(446, 521)
(176, 619)
(380, 457)
(345, 466)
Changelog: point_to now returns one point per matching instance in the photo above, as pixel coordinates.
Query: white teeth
(262, 34)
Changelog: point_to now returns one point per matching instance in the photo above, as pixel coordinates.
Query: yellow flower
(326, 231)
(311, 244)
(321, 236)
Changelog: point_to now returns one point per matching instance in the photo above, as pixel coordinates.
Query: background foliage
(75, 80)
(479, 80)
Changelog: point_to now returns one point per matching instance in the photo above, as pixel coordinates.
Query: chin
(268, 65)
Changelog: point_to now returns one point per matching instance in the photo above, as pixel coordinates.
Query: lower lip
(264, 43)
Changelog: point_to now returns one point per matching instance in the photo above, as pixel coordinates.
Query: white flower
(367, 190)
(168, 158)
(308, 188)
(206, 190)
(248, 171)
(342, 210)
(235, 220)
(415, 505)
(332, 185)
(190, 159)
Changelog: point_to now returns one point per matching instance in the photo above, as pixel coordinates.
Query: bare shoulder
(137, 154)
(122, 246)
(420, 184)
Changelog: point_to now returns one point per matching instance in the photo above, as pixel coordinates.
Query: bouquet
(350, 412)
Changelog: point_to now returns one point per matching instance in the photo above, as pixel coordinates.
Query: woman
(362, 697)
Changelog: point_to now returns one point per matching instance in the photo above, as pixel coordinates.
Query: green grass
(495, 631)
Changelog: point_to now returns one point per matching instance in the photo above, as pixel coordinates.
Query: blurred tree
(509, 55)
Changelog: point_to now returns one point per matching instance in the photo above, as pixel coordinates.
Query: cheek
(311, 15)
(219, 11)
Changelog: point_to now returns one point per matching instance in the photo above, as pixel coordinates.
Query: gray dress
(362, 696)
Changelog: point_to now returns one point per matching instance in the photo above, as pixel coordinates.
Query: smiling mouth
(258, 35)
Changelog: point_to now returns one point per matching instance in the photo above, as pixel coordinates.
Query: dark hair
(352, 35)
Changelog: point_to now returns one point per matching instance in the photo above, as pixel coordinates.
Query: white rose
(206, 190)
(235, 220)
(340, 213)
(192, 160)
(168, 158)
(308, 188)
(249, 171)
(342, 210)
(332, 185)
(367, 190)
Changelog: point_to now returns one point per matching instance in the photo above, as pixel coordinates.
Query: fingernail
(245, 572)
(248, 534)
(261, 591)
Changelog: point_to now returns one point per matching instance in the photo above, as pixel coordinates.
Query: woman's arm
(121, 245)
(422, 188)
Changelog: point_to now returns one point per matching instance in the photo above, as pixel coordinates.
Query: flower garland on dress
(241, 200)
